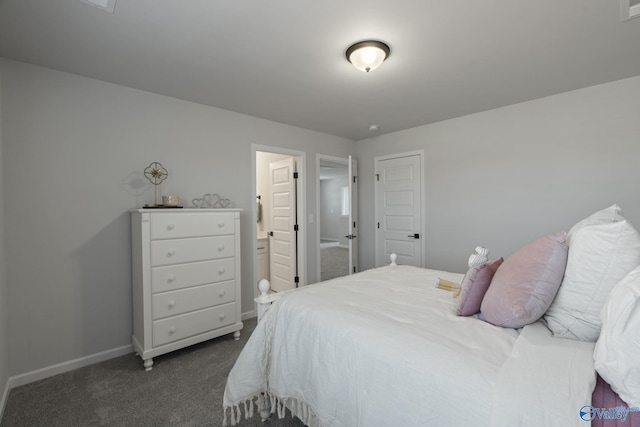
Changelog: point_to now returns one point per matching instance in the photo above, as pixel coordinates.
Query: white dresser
(186, 278)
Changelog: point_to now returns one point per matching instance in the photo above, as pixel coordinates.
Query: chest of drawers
(186, 278)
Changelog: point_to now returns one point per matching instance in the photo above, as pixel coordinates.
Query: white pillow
(605, 216)
(617, 351)
(599, 257)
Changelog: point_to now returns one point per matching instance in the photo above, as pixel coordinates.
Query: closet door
(399, 209)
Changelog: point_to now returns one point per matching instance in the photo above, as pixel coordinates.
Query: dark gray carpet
(334, 262)
(184, 388)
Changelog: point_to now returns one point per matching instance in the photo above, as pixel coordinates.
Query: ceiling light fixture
(368, 55)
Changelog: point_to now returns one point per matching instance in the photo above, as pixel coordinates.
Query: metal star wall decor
(156, 173)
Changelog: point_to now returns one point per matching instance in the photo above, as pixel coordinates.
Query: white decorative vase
(479, 256)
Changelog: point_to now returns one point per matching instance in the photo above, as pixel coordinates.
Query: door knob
(414, 236)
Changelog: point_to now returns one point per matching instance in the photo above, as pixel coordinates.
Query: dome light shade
(368, 55)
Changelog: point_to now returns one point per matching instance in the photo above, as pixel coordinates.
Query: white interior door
(282, 243)
(353, 215)
(399, 210)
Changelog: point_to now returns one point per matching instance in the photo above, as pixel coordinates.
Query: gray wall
(504, 177)
(74, 151)
(4, 306)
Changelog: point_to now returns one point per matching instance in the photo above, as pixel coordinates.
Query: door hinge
(354, 268)
(354, 224)
(295, 175)
(296, 280)
(377, 177)
(295, 227)
(354, 179)
(378, 225)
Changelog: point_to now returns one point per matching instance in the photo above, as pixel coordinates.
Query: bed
(388, 347)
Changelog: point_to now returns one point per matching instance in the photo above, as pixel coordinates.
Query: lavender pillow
(526, 283)
(474, 286)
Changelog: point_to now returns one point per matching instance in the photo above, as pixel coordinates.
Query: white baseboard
(60, 368)
(50, 371)
(5, 396)
(248, 315)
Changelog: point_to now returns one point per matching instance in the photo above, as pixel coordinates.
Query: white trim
(50, 371)
(248, 315)
(105, 5)
(423, 220)
(5, 397)
(628, 11)
(302, 210)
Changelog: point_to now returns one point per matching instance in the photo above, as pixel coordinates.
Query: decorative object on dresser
(155, 173)
(209, 200)
(186, 278)
(170, 201)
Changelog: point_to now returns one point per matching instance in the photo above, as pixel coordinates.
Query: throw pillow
(604, 216)
(617, 348)
(474, 286)
(526, 283)
(599, 257)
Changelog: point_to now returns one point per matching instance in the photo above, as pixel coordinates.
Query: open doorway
(279, 212)
(336, 185)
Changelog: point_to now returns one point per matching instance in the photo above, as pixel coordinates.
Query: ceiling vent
(629, 9)
(106, 5)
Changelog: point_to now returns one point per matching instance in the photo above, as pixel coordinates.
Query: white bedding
(385, 348)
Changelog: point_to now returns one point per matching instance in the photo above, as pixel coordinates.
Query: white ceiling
(283, 60)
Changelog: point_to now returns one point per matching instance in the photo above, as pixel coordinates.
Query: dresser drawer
(179, 276)
(176, 251)
(183, 301)
(193, 224)
(194, 323)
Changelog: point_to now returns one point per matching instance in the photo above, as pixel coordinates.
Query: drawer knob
(221, 248)
(221, 271)
(172, 304)
(220, 224)
(172, 330)
(171, 279)
(171, 227)
(222, 293)
(171, 252)
(221, 316)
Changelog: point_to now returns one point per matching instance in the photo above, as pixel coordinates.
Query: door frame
(301, 156)
(423, 220)
(319, 159)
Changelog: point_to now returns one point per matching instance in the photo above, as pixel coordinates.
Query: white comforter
(385, 348)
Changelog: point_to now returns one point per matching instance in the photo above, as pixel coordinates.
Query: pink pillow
(526, 283)
(474, 286)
